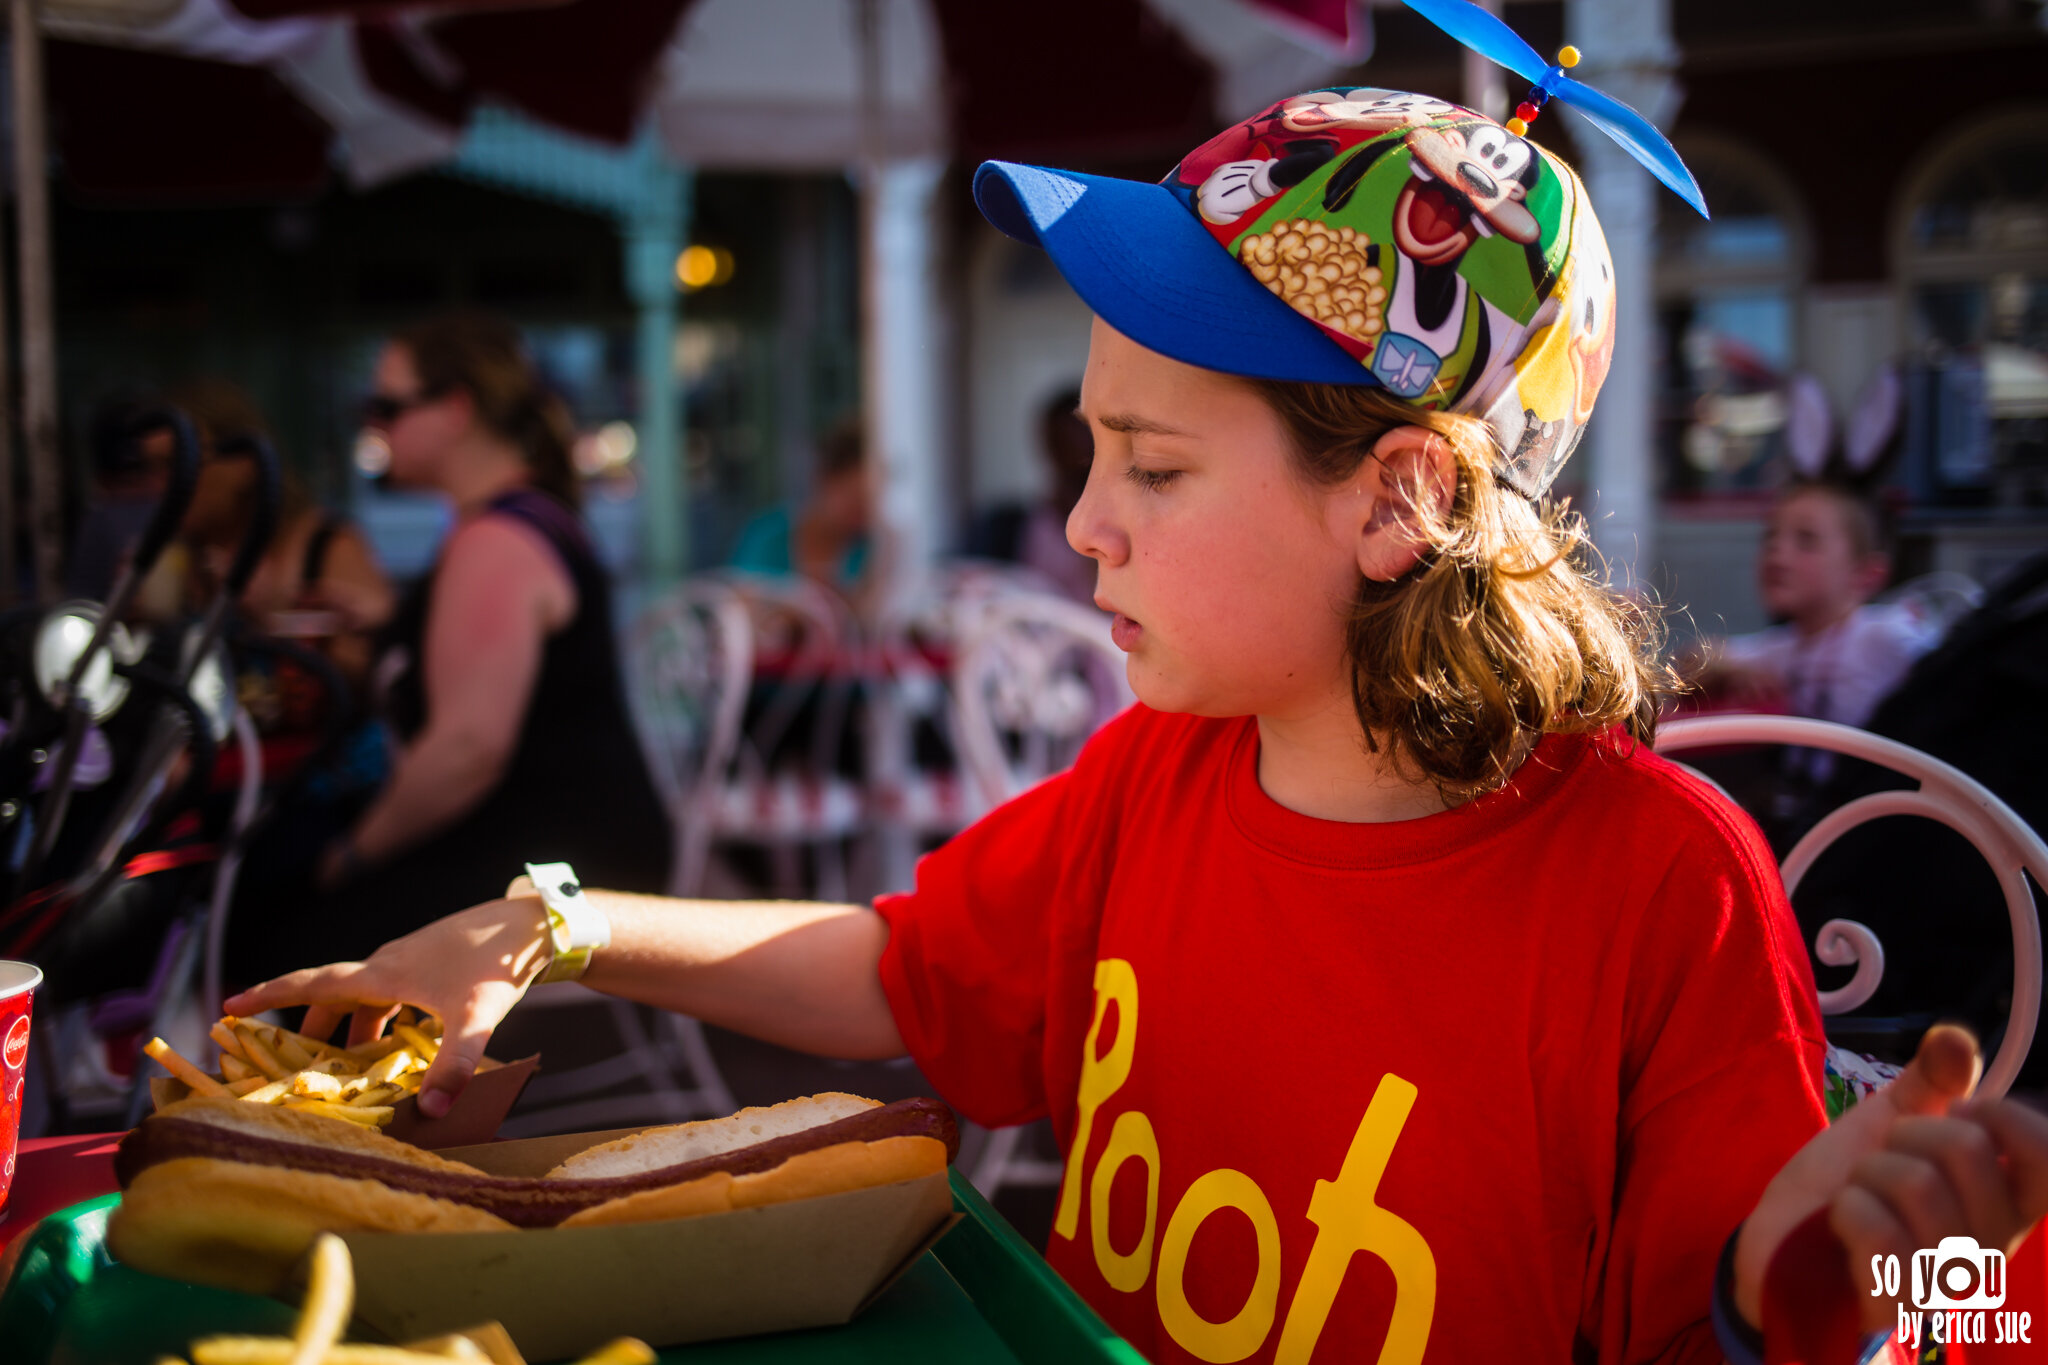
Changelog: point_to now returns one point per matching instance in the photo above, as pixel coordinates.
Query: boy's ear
(1410, 477)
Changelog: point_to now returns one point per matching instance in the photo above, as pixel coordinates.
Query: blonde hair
(1501, 634)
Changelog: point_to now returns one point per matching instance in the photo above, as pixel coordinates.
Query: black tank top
(577, 769)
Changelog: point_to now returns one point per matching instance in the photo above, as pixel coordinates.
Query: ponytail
(483, 355)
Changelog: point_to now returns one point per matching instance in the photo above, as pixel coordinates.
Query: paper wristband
(575, 926)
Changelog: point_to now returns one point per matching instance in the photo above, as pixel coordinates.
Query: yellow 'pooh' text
(1345, 1211)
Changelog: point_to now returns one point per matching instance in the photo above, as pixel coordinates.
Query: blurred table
(55, 1173)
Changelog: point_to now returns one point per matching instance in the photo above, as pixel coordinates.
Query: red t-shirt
(1531, 1060)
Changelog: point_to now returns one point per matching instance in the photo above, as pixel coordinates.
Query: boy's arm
(800, 974)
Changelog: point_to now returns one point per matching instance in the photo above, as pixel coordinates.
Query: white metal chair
(1946, 794)
(690, 658)
(919, 636)
(782, 790)
(1035, 677)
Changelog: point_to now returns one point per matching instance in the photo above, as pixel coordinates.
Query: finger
(1944, 1070)
(462, 1047)
(367, 1025)
(321, 1021)
(1868, 1227)
(339, 984)
(1967, 1157)
(2021, 1134)
(1917, 1192)
(522, 885)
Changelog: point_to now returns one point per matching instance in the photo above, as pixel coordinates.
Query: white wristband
(576, 927)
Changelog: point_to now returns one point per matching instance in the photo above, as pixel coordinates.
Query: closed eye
(1153, 479)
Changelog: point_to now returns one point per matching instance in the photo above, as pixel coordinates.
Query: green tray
(981, 1295)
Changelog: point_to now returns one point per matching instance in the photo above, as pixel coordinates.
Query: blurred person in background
(1836, 653)
(130, 470)
(830, 538)
(318, 579)
(498, 673)
(1035, 534)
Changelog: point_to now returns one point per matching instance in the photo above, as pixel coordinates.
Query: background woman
(498, 673)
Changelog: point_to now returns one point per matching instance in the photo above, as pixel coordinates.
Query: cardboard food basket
(979, 1294)
(564, 1291)
(474, 1117)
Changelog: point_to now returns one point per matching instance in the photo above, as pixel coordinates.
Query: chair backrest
(689, 660)
(807, 649)
(1034, 678)
(1946, 794)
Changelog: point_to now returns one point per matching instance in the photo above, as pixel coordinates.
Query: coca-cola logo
(15, 1051)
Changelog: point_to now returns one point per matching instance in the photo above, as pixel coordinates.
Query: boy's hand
(1944, 1071)
(470, 969)
(1980, 1172)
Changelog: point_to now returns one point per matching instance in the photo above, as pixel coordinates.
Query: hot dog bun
(826, 1170)
(239, 1226)
(671, 1146)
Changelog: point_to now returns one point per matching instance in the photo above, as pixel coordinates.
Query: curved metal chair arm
(1947, 794)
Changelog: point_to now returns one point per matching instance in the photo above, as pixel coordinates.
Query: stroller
(118, 857)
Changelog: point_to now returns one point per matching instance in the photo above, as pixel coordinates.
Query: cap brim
(1145, 264)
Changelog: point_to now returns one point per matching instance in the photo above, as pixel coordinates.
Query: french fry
(375, 1095)
(223, 1035)
(388, 1069)
(271, 1093)
(259, 1054)
(313, 1046)
(278, 1351)
(368, 1115)
(191, 1075)
(317, 1084)
(375, 1050)
(233, 1068)
(624, 1351)
(330, 1298)
(417, 1041)
(286, 1045)
(248, 1087)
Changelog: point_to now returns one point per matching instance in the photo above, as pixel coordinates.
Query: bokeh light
(701, 267)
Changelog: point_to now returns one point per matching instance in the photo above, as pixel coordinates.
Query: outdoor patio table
(981, 1295)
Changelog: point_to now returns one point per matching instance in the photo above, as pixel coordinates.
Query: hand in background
(1942, 1073)
(1980, 1171)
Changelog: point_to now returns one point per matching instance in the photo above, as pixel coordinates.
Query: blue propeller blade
(1637, 135)
(1484, 33)
(1492, 39)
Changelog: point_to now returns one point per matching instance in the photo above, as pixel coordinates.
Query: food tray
(981, 1295)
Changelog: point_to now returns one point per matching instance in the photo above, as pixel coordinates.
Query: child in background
(1837, 654)
(1390, 999)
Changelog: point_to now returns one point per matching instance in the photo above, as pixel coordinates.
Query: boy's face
(1811, 570)
(1228, 576)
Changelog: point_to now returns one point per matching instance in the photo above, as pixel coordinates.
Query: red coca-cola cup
(18, 982)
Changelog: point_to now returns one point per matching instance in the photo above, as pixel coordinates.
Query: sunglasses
(381, 409)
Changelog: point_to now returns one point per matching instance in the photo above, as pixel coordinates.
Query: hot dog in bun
(232, 1194)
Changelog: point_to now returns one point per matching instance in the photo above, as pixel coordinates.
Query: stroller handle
(170, 509)
(263, 524)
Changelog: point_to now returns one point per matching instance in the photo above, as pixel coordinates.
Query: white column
(1485, 80)
(1628, 53)
(903, 369)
